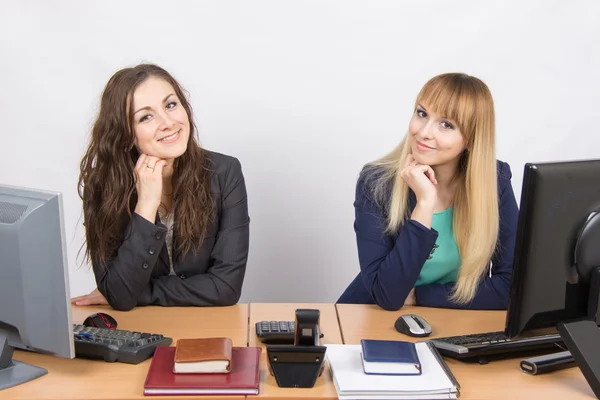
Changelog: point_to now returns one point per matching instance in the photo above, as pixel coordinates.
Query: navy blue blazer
(391, 264)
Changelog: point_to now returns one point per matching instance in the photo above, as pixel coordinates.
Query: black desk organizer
(299, 365)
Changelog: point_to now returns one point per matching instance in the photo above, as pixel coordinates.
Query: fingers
(429, 172)
(92, 298)
(408, 166)
(82, 300)
(146, 163)
(89, 300)
(94, 292)
(151, 162)
(158, 167)
(411, 160)
(412, 165)
(141, 161)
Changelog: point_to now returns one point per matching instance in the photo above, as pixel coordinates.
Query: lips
(423, 147)
(170, 138)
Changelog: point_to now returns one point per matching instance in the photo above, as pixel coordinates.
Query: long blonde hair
(468, 102)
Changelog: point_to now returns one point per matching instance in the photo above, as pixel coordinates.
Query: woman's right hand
(148, 182)
(421, 179)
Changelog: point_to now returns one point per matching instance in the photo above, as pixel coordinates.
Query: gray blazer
(212, 276)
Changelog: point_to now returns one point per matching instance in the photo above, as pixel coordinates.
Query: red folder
(243, 379)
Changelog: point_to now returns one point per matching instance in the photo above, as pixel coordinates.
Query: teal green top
(444, 261)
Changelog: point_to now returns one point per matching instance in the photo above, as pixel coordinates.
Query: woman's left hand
(411, 299)
(91, 299)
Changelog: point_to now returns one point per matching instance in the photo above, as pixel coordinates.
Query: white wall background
(303, 93)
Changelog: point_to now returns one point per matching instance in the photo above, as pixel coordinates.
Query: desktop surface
(500, 379)
(95, 379)
(91, 379)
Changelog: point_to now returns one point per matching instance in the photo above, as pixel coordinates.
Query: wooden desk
(324, 388)
(496, 380)
(92, 379)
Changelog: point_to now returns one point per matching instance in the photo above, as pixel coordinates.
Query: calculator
(276, 332)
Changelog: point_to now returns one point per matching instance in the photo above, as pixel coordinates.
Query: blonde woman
(436, 219)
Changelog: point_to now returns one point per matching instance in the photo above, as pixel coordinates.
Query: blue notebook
(390, 357)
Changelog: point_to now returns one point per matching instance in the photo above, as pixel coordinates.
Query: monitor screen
(35, 312)
(556, 201)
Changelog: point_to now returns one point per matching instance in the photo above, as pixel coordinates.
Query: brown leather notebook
(206, 355)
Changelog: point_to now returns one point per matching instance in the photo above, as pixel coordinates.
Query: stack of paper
(434, 382)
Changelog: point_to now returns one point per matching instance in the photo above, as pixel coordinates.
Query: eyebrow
(148, 107)
(442, 117)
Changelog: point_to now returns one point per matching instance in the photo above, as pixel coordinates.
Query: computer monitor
(557, 245)
(35, 313)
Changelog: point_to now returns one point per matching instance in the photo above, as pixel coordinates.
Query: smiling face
(434, 140)
(160, 123)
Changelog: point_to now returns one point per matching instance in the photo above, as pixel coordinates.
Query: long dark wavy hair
(107, 179)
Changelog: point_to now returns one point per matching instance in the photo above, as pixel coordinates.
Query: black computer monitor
(35, 312)
(557, 243)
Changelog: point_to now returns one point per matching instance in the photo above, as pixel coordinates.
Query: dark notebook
(390, 357)
(243, 379)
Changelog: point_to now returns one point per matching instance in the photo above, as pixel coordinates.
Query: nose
(165, 121)
(427, 130)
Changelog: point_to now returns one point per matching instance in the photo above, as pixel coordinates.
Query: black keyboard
(495, 343)
(116, 345)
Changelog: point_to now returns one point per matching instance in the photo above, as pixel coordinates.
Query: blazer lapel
(164, 256)
(164, 252)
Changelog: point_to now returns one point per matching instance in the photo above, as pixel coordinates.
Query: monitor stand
(12, 372)
(582, 338)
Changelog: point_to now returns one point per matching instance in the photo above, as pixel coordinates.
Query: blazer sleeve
(127, 274)
(493, 290)
(389, 265)
(221, 285)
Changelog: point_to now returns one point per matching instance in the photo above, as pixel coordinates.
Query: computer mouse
(412, 325)
(101, 320)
